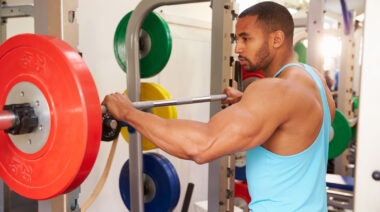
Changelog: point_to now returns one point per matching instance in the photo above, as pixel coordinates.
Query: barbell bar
(110, 132)
(8, 119)
(144, 105)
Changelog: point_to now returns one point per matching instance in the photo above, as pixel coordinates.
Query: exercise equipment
(301, 51)
(143, 105)
(240, 161)
(155, 44)
(57, 154)
(342, 135)
(340, 182)
(110, 128)
(355, 102)
(340, 191)
(152, 91)
(161, 183)
(242, 198)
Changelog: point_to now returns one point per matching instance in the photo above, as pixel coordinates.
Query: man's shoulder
(277, 93)
(268, 86)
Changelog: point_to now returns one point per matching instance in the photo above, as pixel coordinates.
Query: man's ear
(278, 38)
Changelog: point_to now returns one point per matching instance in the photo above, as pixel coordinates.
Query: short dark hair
(273, 17)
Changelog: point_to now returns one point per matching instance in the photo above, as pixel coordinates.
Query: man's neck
(278, 62)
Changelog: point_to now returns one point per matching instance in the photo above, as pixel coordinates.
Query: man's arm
(242, 126)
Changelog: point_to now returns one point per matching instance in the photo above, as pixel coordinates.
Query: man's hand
(118, 105)
(233, 95)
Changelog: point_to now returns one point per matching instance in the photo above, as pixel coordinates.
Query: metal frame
(221, 171)
(8, 11)
(346, 72)
(315, 33)
(367, 189)
(345, 92)
(133, 87)
(57, 18)
(340, 198)
(300, 22)
(63, 203)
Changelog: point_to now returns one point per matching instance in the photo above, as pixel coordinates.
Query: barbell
(51, 120)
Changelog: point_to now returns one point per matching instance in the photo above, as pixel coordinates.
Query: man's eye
(245, 39)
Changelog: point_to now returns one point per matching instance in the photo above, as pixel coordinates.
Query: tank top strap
(326, 109)
(317, 80)
(285, 66)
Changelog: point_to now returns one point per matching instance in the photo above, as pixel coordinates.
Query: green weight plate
(301, 50)
(342, 135)
(355, 101)
(155, 44)
(353, 131)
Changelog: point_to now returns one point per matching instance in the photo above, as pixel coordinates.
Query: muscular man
(282, 121)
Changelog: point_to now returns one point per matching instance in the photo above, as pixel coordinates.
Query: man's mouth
(243, 61)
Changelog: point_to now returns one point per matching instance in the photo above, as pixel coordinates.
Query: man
(282, 121)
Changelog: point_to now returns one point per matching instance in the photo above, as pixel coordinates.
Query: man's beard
(261, 55)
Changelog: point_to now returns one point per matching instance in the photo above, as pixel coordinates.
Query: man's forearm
(182, 138)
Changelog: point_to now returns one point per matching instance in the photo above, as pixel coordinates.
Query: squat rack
(133, 86)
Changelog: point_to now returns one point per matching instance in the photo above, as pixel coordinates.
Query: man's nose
(238, 48)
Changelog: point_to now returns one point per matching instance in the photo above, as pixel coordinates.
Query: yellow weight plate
(150, 92)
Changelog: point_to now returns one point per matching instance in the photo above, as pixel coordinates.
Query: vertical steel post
(133, 87)
(367, 179)
(345, 92)
(219, 186)
(315, 33)
(57, 18)
(3, 28)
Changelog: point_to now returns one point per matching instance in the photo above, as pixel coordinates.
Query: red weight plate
(241, 191)
(74, 138)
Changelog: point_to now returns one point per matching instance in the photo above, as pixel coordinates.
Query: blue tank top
(291, 183)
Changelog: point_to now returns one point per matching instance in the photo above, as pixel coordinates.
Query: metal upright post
(315, 33)
(9, 11)
(220, 191)
(367, 170)
(57, 18)
(347, 71)
(133, 87)
(63, 203)
(345, 92)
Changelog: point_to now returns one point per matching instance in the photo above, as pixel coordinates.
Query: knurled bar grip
(169, 102)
